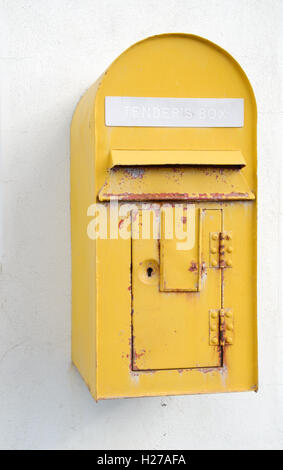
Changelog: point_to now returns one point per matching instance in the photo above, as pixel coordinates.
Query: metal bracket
(214, 249)
(213, 327)
(225, 250)
(220, 250)
(221, 327)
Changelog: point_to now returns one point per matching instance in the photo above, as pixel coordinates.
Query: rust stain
(121, 223)
(202, 370)
(231, 195)
(193, 267)
(137, 356)
(174, 291)
(148, 196)
(179, 196)
(207, 370)
(135, 173)
(203, 270)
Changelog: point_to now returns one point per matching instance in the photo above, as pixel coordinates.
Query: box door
(174, 292)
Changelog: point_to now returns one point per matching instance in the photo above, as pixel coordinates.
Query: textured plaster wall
(51, 52)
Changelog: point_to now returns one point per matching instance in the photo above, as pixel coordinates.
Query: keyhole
(149, 272)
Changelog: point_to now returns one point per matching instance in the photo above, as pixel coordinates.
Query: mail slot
(163, 223)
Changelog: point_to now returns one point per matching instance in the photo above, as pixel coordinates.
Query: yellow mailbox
(163, 221)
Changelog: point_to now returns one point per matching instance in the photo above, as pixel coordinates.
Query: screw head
(214, 315)
(214, 340)
(229, 326)
(230, 249)
(214, 236)
(229, 236)
(213, 250)
(213, 327)
(214, 263)
(228, 314)
(229, 339)
(229, 262)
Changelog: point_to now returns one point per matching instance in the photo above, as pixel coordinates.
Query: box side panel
(83, 248)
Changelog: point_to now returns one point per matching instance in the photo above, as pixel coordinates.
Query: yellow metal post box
(163, 221)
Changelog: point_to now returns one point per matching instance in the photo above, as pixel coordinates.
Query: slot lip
(173, 183)
(187, 157)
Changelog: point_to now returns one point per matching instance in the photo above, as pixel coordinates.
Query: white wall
(51, 52)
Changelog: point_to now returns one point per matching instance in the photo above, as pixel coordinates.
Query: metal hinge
(221, 327)
(220, 250)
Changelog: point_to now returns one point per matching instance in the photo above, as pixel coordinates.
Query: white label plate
(173, 112)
